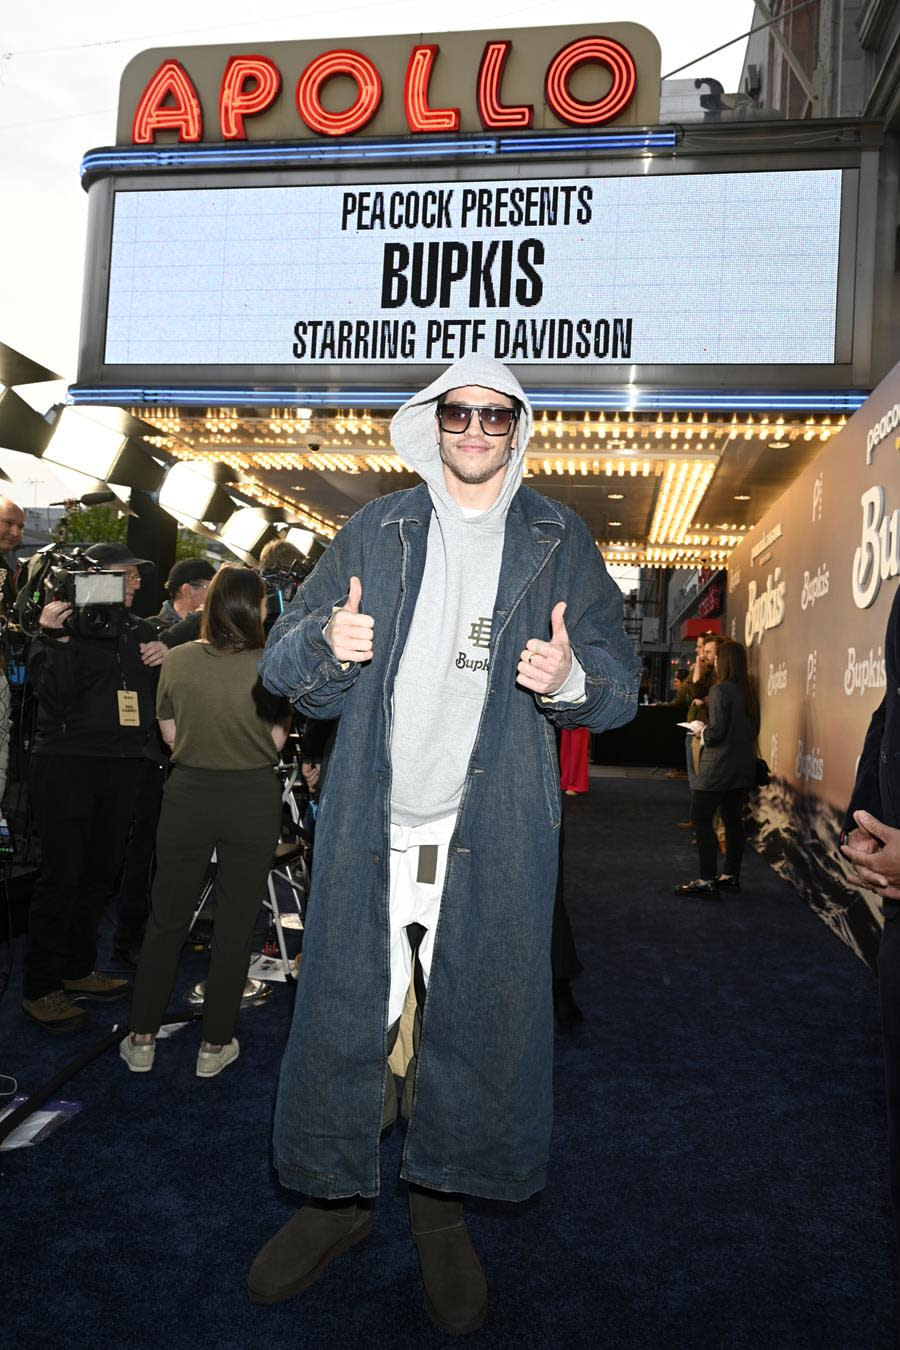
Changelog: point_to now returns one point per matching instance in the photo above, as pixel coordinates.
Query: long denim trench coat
(482, 1109)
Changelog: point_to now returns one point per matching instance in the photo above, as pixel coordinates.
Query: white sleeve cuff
(573, 690)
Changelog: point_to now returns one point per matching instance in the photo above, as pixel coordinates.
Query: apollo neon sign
(251, 84)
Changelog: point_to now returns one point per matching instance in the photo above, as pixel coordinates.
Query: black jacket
(877, 786)
(183, 630)
(728, 757)
(76, 684)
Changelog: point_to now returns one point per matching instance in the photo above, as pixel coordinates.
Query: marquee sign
(557, 271)
(339, 216)
(521, 79)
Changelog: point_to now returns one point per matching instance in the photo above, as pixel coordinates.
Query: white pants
(414, 901)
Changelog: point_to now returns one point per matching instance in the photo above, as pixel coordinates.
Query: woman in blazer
(726, 773)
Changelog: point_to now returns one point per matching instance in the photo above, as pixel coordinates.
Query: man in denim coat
(451, 627)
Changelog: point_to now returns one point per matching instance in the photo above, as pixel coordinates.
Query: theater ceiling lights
(670, 471)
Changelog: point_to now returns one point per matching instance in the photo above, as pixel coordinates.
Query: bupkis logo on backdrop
(773, 752)
(878, 555)
(765, 609)
(864, 671)
(814, 587)
(809, 763)
(778, 678)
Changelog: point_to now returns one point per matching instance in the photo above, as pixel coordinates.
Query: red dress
(573, 759)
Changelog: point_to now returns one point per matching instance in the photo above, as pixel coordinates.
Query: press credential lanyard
(129, 707)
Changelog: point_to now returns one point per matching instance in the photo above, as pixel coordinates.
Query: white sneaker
(139, 1058)
(211, 1062)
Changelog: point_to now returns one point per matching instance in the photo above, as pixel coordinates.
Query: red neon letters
(493, 114)
(240, 98)
(361, 110)
(251, 84)
(608, 53)
(184, 113)
(415, 95)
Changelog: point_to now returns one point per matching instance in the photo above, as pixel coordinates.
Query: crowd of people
(447, 640)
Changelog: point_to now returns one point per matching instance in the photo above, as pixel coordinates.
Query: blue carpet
(718, 1174)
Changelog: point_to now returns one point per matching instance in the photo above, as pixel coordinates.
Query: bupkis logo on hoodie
(479, 636)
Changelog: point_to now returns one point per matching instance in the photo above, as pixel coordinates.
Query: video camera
(281, 586)
(96, 594)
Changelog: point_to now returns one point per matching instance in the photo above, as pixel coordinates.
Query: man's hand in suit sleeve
(874, 850)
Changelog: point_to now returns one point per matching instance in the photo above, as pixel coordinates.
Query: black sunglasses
(495, 421)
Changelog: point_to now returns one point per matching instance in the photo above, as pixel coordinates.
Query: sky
(59, 75)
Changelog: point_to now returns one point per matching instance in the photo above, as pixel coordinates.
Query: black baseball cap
(189, 570)
(109, 555)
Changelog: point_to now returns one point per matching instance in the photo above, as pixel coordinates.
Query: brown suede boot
(455, 1287)
(299, 1252)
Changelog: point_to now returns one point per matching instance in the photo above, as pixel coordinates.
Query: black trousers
(889, 990)
(83, 807)
(237, 813)
(731, 806)
(134, 890)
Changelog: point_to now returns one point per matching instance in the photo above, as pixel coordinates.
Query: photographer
(95, 708)
(222, 795)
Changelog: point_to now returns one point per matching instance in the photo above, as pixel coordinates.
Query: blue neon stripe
(135, 157)
(617, 400)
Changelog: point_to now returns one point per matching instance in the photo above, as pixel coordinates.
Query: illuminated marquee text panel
(668, 270)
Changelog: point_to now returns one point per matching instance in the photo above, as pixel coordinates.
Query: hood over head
(412, 430)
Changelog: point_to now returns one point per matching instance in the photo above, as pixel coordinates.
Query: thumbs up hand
(544, 666)
(349, 632)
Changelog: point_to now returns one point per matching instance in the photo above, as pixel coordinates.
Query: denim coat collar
(414, 505)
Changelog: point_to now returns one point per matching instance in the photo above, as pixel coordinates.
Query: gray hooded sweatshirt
(441, 682)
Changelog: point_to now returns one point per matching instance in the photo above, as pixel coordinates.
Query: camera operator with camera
(93, 670)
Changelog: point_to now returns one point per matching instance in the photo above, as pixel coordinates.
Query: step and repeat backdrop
(810, 590)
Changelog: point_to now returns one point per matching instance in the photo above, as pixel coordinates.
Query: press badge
(129, 710)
